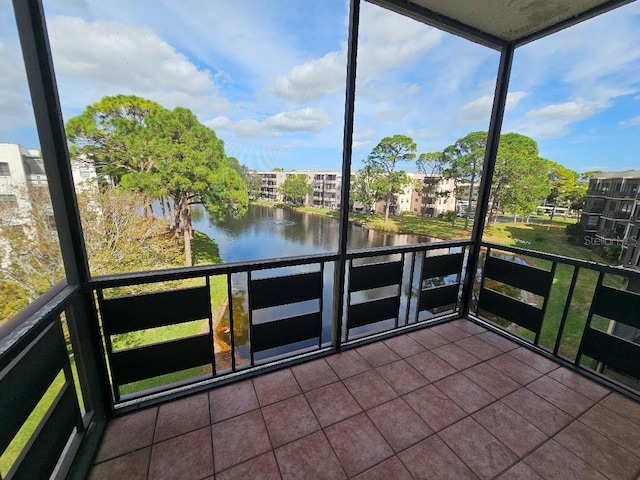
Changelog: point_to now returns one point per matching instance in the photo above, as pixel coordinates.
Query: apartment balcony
(625, 194)
(593, 208)
(617, 214)
(451, 401)
(404, 383)
(456, 359)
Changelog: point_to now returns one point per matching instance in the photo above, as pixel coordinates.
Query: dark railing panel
(614, 352)
(375, 275)
(31, 377)
(367, 313)
(285, 332)
(439, 296)
(290, 325)
(140, 363)
(271, 292)
(619, 305)
(139, 312)
(50, 438)
(442, 265)
(526, 316)
(525, 277)
(24, 384)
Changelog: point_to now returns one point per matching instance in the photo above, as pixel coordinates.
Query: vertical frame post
(34, 42)
(491, 152)
(350, 93)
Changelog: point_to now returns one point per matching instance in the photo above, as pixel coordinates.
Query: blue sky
(268, 76)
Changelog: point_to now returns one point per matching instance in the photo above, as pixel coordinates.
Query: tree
(385, 157)
(363, 187)
(29, 247)
(295, 188)
(117, 239)
(519, 179)
(114, 133)
(464, 160)
(562, 182)
(161, 153)
(432, 166)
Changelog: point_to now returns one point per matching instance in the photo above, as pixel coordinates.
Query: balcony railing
(610, 233)
(283, 312)
(625, 194)
(593, 209)
(617, 214)
(276, 311)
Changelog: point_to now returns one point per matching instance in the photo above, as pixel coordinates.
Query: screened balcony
(436, 360)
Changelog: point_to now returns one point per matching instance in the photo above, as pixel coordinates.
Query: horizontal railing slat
(526, 316)
(614, 352)
(140, 363)
(137, 312)
(286, 331)
(41, 454)
(438, 296)
(361, 314)
(619, 305)
(524, 277)
(276, 291)
(375, 275)
(24, 382)
(442, 265)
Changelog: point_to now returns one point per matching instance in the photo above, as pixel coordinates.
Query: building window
(8, 198)
(593, 221)
(4, 169)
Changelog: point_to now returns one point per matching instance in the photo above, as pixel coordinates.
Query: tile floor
(453, 401)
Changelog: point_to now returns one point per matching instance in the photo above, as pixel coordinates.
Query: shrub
(575, 232)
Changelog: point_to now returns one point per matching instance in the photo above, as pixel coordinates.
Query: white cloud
(555, 120)
(310, 120)
(632, 122)
(424, 133)
(314, 79)
(480, 109)
(387, 40)
(112, 57)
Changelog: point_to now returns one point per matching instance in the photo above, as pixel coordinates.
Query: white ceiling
(508, 20)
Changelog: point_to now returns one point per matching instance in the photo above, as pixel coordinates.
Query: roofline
(561, 25)
(442, 22)
(448, 24)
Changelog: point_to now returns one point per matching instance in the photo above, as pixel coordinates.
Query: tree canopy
(295, 188)
(160, 153)
(384, 158)
(464, 160)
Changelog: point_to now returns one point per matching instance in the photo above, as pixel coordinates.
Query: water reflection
(269, 232)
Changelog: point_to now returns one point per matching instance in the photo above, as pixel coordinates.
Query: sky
(269, 77)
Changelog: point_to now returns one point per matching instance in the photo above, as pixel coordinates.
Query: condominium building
(326, 186)
(611, 215)
(428, 195)
(22, 168)
(431, 195)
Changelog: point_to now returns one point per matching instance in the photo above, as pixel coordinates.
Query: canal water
(271, 232)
